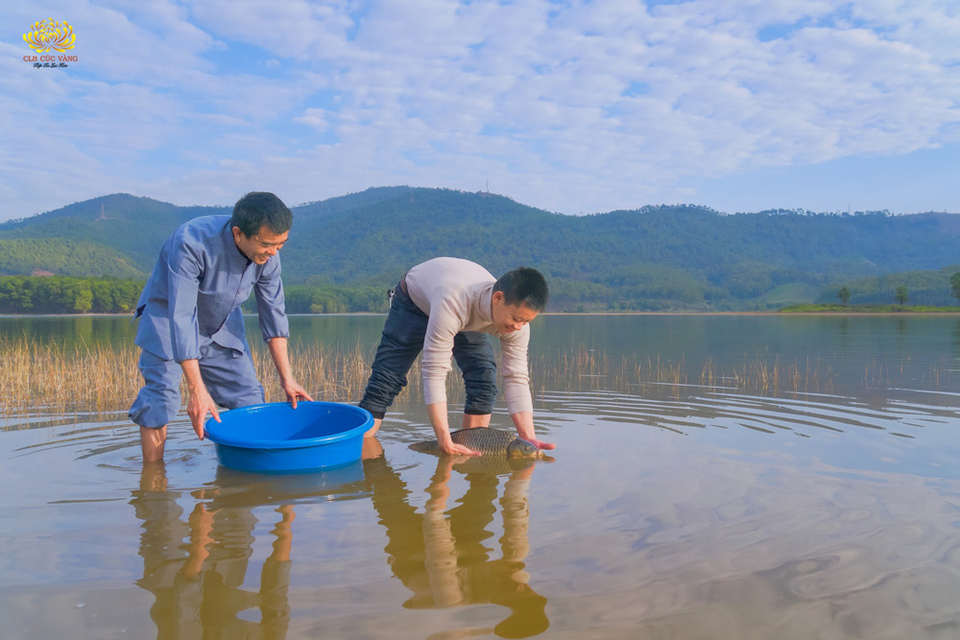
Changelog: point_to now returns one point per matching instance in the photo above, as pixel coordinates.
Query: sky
(570, 106)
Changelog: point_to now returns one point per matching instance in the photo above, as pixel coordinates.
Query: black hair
(524, 285)
(259, 208)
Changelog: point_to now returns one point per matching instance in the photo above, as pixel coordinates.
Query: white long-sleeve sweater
(456, 295)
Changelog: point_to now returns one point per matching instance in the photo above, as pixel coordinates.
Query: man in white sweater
(444, 307)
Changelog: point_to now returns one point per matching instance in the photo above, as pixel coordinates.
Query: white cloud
(572, 107)
(286, 28)
(316, 118)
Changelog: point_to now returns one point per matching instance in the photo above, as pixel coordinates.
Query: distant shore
(866, 309)
(806, 310)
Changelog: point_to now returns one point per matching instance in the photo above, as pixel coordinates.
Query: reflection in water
(198, 546)
(198, 583)
(442, 556)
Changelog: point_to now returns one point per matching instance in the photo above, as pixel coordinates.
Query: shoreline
(906, 312)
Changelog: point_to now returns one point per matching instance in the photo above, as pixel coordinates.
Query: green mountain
(657, 257)
(129, 226)
(49, 256)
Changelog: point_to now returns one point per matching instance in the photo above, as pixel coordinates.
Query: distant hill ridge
(655, 257)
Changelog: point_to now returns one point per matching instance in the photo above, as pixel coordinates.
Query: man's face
(260, 246)
(509, 317)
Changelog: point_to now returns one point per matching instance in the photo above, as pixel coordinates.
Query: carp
(487, 441)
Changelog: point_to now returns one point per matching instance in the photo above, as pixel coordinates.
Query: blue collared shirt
(194, 294)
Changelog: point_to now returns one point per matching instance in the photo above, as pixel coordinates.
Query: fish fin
(427, 446)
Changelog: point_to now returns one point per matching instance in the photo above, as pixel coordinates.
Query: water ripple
(804, 416)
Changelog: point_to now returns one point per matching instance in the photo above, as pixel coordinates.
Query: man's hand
(524, 423)
(437, 413)
(281, 360)
(200, 402)
(540, 444)
(451, 448)
(294, 392)
(198, 406)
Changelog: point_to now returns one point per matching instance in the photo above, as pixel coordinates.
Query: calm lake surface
(714, 477)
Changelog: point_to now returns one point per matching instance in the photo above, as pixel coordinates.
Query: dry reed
(53, 380)
(101, 380)
(337, 375)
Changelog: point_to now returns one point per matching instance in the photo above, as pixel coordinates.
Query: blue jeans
(402, 342)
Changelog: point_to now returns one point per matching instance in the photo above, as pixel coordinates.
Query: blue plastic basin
(275, 438)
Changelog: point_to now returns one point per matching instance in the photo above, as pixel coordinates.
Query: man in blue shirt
(191, 323)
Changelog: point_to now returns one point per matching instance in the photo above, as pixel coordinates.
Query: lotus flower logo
(50, 35)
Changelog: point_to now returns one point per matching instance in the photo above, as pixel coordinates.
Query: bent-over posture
(445, 307)
(191, 323)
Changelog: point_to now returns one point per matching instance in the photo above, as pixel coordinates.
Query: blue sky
(569, 106)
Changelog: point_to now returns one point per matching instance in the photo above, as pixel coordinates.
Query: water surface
(669, 510)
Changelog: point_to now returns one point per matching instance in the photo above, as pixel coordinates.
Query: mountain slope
(656, 257)
(56, 256)
(134, 227)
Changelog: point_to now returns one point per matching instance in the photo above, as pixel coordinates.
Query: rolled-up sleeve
(271, 309)
(183, 282)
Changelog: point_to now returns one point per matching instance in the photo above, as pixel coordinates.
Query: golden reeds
(53, 380)
(326, 374)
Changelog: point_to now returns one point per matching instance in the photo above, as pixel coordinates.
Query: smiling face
(509, 317)
(261, 246)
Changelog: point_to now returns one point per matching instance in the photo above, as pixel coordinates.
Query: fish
(486, 440)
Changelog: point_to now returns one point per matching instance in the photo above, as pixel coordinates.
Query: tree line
(65, 294)
(924, 288)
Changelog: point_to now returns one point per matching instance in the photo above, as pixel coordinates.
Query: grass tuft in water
(102, 380)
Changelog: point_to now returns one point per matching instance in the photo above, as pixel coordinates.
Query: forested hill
(656, 257)
(129, 226)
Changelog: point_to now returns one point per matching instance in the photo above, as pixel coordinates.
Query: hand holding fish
(540, 444)
(486, 441)
(452, 448)
(523, 421)
(438, 419)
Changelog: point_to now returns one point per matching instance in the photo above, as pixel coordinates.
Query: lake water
(714, 477)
